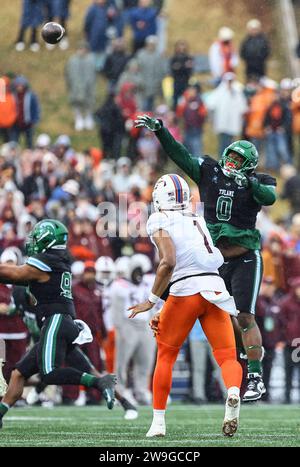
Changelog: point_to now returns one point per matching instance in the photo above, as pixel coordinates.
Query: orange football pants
(177, 318)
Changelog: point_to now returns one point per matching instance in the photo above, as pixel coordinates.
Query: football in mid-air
(52, 32)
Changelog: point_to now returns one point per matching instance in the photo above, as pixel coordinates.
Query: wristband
(153, 298)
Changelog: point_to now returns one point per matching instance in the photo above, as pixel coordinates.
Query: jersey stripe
(257, 281)
(50, 343)
(38, 264)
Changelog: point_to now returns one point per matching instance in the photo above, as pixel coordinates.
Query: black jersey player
(232, 194)
(47, 273)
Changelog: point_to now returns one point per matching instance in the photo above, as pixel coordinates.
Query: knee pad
(221, 355)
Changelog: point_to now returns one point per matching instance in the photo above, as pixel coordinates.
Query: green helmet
(245, 149)
(46, 234)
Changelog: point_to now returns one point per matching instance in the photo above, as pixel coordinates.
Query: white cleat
(81, 399)
(20, 46)
(131, 414)
(32, 397)
(156, 430)
(64, 44)
(35, 47)
(232, 412)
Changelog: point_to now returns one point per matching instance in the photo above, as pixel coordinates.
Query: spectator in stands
(255, 50)
(295, 105)
(222, 55)
(228, 106)
(192, 111)
(115, 62)
(8, 109)
(273, 260)
(36, 184)
(101, 16)
(153, 69)
(81, 86)
(132, 74)
(263, 92)
(12, 328)
(267, 318)
(32, 17)
(278, 117)
(126, 101)
(290, 328)
(88, 304)
(285, 93)
(181, 67)
(28, 111)
(143, 23)
(291, 187)
(59, 10)
(295, 233)
(111, 127)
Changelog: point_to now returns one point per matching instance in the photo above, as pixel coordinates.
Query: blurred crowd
(103, 194)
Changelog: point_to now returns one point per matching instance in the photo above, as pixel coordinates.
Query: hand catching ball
(52, 33)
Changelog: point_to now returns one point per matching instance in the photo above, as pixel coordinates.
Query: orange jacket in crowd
(8, 108)
(258, 107)
(274, 267)
(296, 113)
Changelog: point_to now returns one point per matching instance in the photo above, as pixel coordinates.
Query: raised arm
(175, 150)
(10, 274)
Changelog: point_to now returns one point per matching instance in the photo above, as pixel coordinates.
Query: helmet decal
(178, 188)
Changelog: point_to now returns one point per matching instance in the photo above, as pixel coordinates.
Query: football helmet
(105, 270)
(141, 261)
(243, 148)
(171, 193)
(46, 234)
(122, 267)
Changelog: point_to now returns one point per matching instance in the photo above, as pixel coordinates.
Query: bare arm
(10, 274)
(167, 262)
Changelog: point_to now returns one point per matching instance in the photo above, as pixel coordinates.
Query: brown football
(52, 33)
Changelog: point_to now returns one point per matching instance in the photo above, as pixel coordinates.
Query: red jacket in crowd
(290, 317)
(268, 320)
(12, 324)
(88, 305)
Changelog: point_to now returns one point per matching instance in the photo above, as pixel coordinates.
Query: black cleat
(255, 388)
(1, 423)
(106, 384)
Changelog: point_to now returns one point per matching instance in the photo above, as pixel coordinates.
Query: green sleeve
(179, 154)
(263, 194)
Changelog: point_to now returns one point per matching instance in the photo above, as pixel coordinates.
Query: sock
(87, 380)
(254, 366)
(3, 409)
(159, 416)
(234, 391)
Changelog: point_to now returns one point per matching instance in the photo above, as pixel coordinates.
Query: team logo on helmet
(171, 192)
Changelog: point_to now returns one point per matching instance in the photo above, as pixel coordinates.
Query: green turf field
(261, 425)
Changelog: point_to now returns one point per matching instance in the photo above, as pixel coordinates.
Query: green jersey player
(232, 194)
(47, 273)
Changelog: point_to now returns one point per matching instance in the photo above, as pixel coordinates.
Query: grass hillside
(195, 20)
